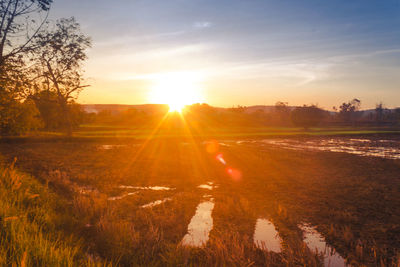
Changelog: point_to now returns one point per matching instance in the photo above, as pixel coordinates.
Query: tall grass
(29, 234)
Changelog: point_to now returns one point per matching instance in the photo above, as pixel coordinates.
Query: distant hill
(263, 108)
(118, 108)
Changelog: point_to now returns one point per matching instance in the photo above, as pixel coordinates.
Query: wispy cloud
(129, 39)
(193, 75)
(291, 73)
(356, 56)
(202, 24)
(138, 64)
(297, 73)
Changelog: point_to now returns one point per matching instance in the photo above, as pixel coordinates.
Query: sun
(177, 90)
(176, 107)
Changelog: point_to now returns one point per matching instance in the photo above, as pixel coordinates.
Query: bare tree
(20, 22)
(58, 63)
(379, 112)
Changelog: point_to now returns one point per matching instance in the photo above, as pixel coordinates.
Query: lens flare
(220, 158)
(235, 174)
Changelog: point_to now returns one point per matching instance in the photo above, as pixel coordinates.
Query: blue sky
(244, 52)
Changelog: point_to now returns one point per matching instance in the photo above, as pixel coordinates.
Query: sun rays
(177, 89)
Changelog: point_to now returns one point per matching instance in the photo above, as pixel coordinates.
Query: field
(180, 129)
(105, 190)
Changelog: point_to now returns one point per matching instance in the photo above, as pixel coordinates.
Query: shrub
(307, 116)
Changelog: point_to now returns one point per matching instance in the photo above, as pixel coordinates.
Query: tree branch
(4, 17)
(4, 37)
(17, 50)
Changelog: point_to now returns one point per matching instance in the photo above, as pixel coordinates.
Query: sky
(240, 52)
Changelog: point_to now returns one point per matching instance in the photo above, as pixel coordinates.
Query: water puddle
(208, 185)
(363, 147)
(316, 243)
(200, 225)
(360, 140)
(108, 147)
(239, 142)
(266, 237)
(156, 203)
(121, 197)
(155, 188)
(224, 144)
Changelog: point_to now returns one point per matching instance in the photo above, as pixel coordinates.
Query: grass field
(351, 201)
(108, 131)
(33, 226)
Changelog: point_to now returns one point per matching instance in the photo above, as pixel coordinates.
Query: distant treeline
(205, 116)
(41, 111)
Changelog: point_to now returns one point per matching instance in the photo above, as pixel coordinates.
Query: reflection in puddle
(316, 243)
(156, 203)
(362, 147)
(121, 197)
(360, 140)
(223, 144)
(108, 147)
(208, 185)
(155, 188)
(200, 225)
(266, 237)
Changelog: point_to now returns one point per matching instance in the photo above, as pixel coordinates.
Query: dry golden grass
(29, 234)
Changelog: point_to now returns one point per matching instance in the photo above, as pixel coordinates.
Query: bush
(307, 116)
(18, 118)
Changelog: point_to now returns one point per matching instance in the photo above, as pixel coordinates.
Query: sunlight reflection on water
(266, 237)
(316, 243)
(361, 147)
(208, 185)
(108, 147)
(156, 203)
(155, 188)
(200, 225)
